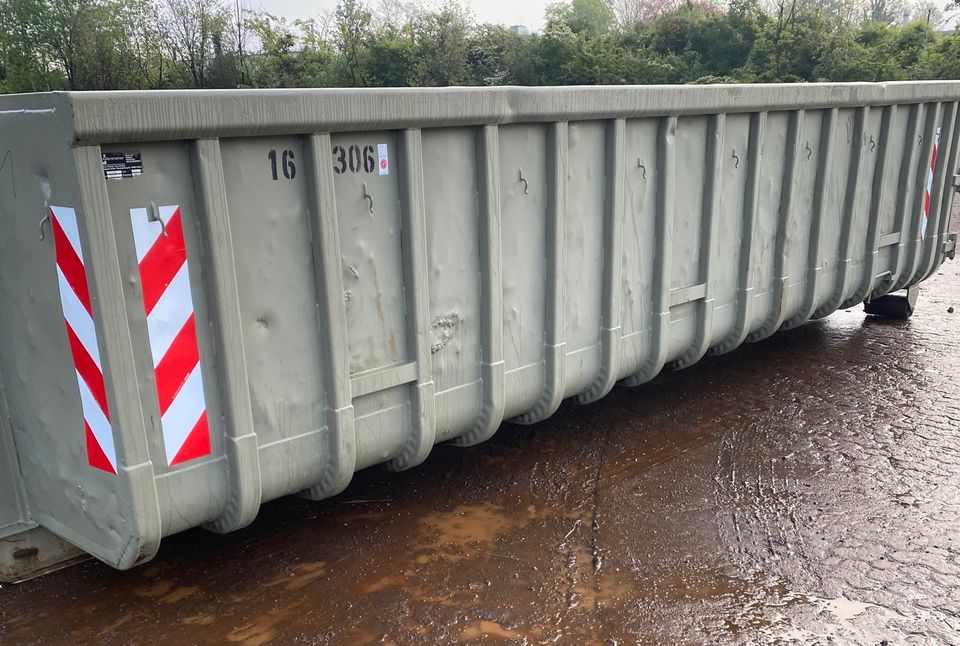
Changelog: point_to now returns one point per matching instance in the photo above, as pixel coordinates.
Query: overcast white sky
(508, 12)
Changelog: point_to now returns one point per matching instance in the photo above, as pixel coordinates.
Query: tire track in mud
(758, 506)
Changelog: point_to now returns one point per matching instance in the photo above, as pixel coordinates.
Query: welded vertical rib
(941, 198)
(241, 448)
(812, 283)
(758, 121)
(663, 234)
(901, 217)
(923, 167)
(877, 197)
(423, 430)
(614, 199)
(709, 223)
(788, 187)
(491, 291)
(555, 347)
(341, 449)
(851, 203)
(101, 260)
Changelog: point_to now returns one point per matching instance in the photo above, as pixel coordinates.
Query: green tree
(291, 54)
(590, 16)
(441, 38)
(73, 44)
(276, 65)
(497, 56)
(25, 49)
(787, 46)
(196, 40)
(149, 36)
(392, 57)
(351, 32)
(705, 41)
(156, 44)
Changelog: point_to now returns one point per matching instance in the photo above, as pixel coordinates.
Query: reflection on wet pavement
(805, 489)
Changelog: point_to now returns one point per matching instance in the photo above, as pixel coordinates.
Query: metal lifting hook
(642, 167)
(368, 196)
(45, 219)
(526, 186)
(736, 164)
(153, 215)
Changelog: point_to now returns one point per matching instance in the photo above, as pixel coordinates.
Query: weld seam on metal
(243, 459)
(493, 396)
(423, 427)
(135, 469)
(341, 437)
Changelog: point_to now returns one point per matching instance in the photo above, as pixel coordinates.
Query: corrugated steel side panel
(366, 273)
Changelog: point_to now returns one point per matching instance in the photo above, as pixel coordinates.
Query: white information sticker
(383, 161)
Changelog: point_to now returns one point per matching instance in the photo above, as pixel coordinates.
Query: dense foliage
(149, 44)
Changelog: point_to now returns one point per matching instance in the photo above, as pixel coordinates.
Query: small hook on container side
(526, 186)
(873, 144)
(368, 196)
(642, 167)
(919, 139)
(153, 215)
(43, 221)
(809, 150)
(736, 164)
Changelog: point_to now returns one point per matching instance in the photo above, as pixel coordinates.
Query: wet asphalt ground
(805, 489)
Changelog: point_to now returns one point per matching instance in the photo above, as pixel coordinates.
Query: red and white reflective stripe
(929, 187)
(168, 302)
(82, 337)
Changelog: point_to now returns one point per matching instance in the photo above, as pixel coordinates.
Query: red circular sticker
(383, 163)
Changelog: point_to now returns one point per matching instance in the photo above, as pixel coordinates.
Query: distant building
(520, 30)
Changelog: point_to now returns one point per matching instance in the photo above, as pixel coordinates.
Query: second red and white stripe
(929, 187)
(168, 303)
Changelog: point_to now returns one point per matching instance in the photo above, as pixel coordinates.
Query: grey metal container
(240, 295)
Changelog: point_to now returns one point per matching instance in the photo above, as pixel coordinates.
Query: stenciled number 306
(354, 159)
